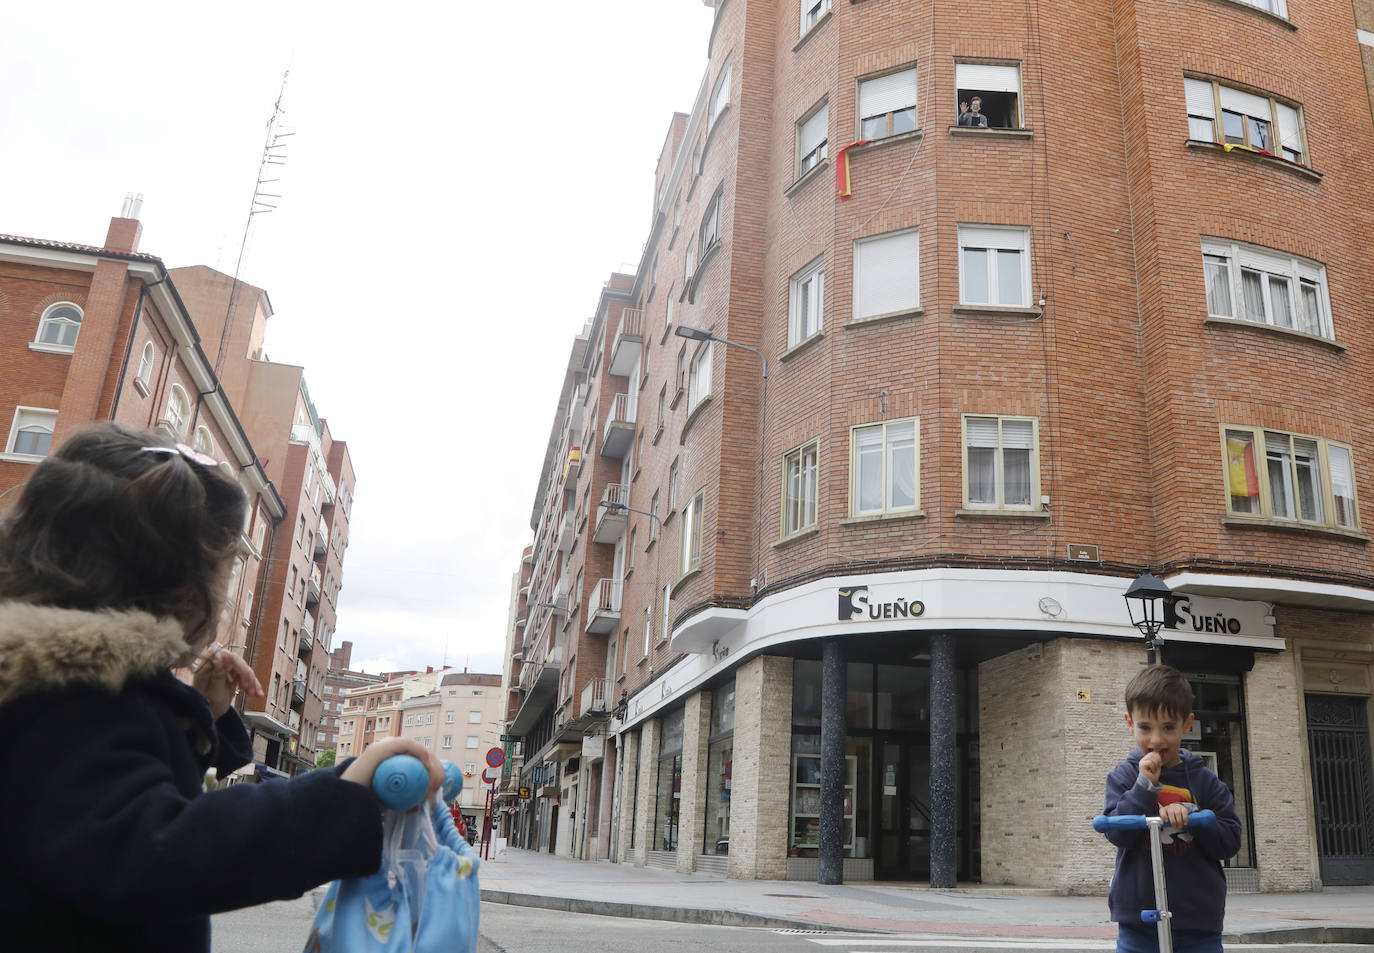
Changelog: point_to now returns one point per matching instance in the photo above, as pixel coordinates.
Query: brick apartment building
(339, 678)
(1008, 367)
(109, 333)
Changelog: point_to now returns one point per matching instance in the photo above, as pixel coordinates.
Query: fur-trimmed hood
(42, 647)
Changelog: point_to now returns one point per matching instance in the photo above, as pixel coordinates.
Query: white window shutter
(886, 275)
(885, 94)
(815, 130)
(1017, 435)
(1288, 128)
(1342, 482)
(987, 79)
(975, 236)
(1248, 103)
(1199, 95)
(982, 431)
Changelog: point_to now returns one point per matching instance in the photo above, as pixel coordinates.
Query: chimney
(125, 230)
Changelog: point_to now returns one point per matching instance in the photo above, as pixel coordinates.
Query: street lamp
(701, 334)
(618, 507)
(550, 605)
(1145, 601)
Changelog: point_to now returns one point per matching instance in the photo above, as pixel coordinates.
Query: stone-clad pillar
(650, 736)
(834, 769)
(759, 797)
(625, 797)
(943, 816)
(691, 831)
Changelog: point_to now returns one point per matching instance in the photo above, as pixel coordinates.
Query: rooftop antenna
(273, 155)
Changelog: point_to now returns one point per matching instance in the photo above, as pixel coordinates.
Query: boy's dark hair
(1160, 688)
(105, 523)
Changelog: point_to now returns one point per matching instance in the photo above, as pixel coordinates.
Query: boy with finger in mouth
(1161, 778)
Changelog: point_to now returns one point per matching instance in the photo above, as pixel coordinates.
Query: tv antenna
(273, 156)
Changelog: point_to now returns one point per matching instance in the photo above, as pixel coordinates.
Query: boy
(1161, 778)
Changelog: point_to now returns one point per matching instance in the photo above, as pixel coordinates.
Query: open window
(997, 89)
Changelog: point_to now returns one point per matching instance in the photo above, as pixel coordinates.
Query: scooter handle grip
(1138, 822)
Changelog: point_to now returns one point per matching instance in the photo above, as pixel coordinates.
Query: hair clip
(190, 453)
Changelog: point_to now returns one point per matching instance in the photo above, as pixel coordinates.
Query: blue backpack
(423, 900)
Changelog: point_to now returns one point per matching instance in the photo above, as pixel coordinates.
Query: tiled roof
(73, 247)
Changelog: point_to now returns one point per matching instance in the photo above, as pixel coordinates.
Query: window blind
(1247, 103)
(1199, 95)
(886, 94)
(1342, 481)
(984, 78)
(815, 130)
(973, 236)
(1017, 435)
(886, 277)
(982, 431)
(1288, 128)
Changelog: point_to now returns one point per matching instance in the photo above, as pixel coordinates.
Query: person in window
(971, 113)
(112, 577)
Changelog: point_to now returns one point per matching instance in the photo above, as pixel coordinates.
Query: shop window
(720, 770)
(1218, 737)
(989, 95)
(669, 793)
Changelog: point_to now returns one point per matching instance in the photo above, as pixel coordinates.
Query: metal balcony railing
(593, 701)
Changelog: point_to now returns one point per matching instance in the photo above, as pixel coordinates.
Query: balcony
(566, 534)
(577, 408)
(539, 684)
(322, 538)
(298, 691)
(307, 635)
(312, 589)
(603, 609)
(593, 702)
(629, 342)
(610, 522)
(619, 433)
(573, 466)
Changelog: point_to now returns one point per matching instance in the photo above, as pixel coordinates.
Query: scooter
(1137, 822)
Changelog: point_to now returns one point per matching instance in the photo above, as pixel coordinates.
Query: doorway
(902, 808)
(1342, 787)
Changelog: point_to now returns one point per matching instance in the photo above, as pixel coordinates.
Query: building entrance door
(903, 794)
(1342, 787)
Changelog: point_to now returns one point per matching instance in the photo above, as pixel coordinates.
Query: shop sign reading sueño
(855, 603)
(1213, 616)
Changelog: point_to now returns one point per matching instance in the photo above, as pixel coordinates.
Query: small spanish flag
(1240, 467)
(842, 168)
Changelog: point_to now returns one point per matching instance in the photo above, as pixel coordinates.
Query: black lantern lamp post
(1145, 601)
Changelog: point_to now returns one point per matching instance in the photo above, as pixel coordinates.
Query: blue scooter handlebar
(1138, 822)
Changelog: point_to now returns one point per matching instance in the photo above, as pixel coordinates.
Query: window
(204, 442)
(448, 717)
(806, 303)
(648, 626)
(691, 260)
(681, 370)
(997, 89)
(887, 104)
(994, 265)
(469, 767)
(883, 467)
(799, 489)
(447, 741)
(1247, 120)
(31, 432)
(887, 274)
(720, 97)
(654, 526)
(429, 718)
(1000, 465)
(813, 139)
(672, 486)
(668, 312)
(1277, 7)
(410, 720)
(710, 224)
(59, 326)
(662, 407)
(472, 741)
(690, 556)
(247, 606)
(474, 717)
(699, 383)
(1304, 479)
(145, 366)
(1249, 283)
(667, 628)
(811, 13)
(634, 544)
(178, 409)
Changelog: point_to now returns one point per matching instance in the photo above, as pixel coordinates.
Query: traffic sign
(495, 757)
(488, 780)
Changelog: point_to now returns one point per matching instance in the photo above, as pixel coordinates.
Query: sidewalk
(522, 877)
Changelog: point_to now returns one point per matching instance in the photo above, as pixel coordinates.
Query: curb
(646, 911)
(1284, 935)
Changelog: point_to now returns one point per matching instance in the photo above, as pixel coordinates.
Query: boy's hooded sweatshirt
(1192, 857)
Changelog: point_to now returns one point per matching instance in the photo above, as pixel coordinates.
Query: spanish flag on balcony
(842, 168)
(1240, 467)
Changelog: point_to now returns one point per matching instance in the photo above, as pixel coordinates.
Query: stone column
(650, 736)
(606, 807)
(759, 796)
(625, 797)
(691, 829)
(944, 819)
(834, 770)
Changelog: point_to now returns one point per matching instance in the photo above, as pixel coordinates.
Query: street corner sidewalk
(529, 878)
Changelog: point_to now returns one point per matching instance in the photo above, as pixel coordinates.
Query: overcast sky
(462, 179)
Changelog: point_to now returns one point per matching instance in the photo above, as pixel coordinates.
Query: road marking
(887, 942)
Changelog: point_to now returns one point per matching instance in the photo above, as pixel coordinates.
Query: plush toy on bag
(425, 897)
